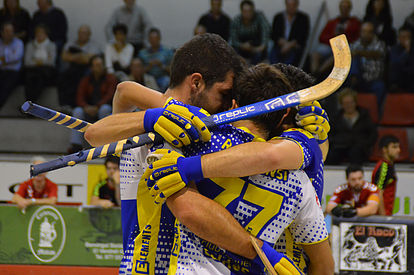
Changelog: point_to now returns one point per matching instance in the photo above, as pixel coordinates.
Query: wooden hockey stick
(262, 256)
(342, 64)
(48, 114)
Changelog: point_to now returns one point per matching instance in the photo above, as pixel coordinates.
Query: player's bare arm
(320, 257)
(252, 158)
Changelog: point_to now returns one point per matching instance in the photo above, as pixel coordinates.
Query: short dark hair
(42, 26)
(4, 24)
(258, 83)
(207, 54)
(404, 28)
(112, 159)
(93, 57)
(120, 28)
(246, 2)
(387, 140)
(299, 80)
(156, 30)
(353, 168)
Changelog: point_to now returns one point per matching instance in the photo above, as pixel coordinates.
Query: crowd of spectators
(35, 53)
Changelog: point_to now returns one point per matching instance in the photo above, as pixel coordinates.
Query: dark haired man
(93, 98)
(106, 192)
(356, 197)
(157, 59)
(384, 176)
(192, 88)
(216, 21)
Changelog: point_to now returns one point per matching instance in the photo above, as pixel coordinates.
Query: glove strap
(150, 118)
(190, 169)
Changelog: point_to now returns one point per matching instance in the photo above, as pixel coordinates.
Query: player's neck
(179, 93)
(252, 127)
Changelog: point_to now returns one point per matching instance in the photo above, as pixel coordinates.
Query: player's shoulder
(370, 187)
(297, 133)
(26, 183)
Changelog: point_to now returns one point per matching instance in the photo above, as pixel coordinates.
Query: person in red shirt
(37, 190)
(384, 176)
(322, 59)
(356, 197)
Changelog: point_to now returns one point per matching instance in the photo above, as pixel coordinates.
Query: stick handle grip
(51, 115)
(94, 153)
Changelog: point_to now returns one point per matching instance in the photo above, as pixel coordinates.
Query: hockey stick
(48, 114)
(262, 256)
(342, 64)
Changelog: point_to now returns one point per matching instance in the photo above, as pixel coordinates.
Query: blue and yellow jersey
(312, 156)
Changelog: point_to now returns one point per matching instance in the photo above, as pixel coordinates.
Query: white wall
(177, 18)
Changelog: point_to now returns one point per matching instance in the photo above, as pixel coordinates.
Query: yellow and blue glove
(171, 173)
(281, 263)
(178, 125)
(314, 119)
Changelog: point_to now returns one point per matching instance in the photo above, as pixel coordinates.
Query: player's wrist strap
(190, 169)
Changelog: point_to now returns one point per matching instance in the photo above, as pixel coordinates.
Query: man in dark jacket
(352, 132)
(290, 31)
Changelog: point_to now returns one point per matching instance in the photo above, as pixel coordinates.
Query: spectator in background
(37, 190)
(354, 198)
(290, 31)
(409, 22)
(249, 33)
(322, 59)
(138, 75)
(11, 59)
(18, 16)
(352, 132)
(55, 19)
(216, 21)
(379, 13)
(384, 176)
(93, 98)
(39, 62)
(106, 192)
(401, 69)
(137, 20)
(118, 54)
(76, 55)
(199, 29)
(157, 59)
(368, 63)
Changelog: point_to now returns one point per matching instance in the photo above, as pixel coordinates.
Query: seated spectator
(290, 31)
(37, 190)
(93, 98)
(11, 59)
(157, 59)
(249, 33)
(409, 22)
(76, 54)
(368, 63)
(18, 16)
(322, 59)
(401, 69)
(384, 176)
(354, 198)
(55, 19)
(352, 134)
(39, 62)
(106, 192)
(118, 54)
(199, 29)
(137, 20)
(216, 21)
(138, 75)
(379, 13)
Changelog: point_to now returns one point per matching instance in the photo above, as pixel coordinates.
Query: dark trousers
(68, 84)
(8, 81)
(36, 79)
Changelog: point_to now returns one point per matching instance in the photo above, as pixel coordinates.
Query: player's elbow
(91, 135)
(122, 89)
(53, 200)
